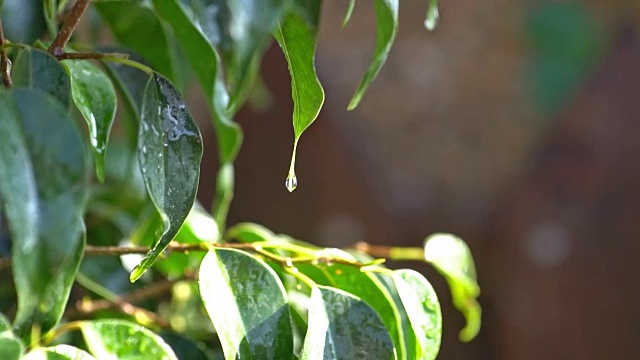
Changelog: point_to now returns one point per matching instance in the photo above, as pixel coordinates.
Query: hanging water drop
(291, 183)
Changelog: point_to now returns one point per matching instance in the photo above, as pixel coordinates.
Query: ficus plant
(105, 252)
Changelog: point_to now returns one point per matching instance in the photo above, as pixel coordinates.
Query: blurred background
(513, 125)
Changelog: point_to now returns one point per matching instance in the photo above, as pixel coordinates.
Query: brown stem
(4, 62)
(68, 27)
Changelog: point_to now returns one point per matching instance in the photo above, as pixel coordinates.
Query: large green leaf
(95, 97)
(135, 26)
(123, 340)
(452, 258)
(206, 64)
(59, 352)
(169, 152)
(387, 25)
(247, 304)
(341, 326)
(423, 309)
(297, 36)
(22, 20)
(43, 185)
(365, 286)
(39, 70)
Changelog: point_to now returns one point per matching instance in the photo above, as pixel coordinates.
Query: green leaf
(247, 304)
(137, 27)
(124, 340)
(347, 15)
(423, 309)
(249, 232)
(206, 64)
(95, 97)
(59, 352)
(22, 20)
(341, 326)
(169, 152)
(387, 24)
(43, 186)
(365, 286)
(431, 20)
(37, 69)
(297, 36)
(10, 347)
(452, 258)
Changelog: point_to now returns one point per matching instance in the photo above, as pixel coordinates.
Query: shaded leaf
(431, 20)
(365, 286)
(124, 340)
(341, 326)
(58, 352)
(387, 25)
(95, 97)
(22, 20)
(452, 258)
(247, 304)
(43, 186)
(169, 152)
(37, 69)
(11, 347)
(297, 36)
(423, 309)
(137, 27)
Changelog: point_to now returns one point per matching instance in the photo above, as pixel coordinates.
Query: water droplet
(289, 262)
(291, 183)
(144, 149)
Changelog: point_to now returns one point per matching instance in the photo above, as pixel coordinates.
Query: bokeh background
(514, 125)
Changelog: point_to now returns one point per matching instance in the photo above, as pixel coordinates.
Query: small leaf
(123, 340)
(387, 24)
(249, 232)
(169, 152)
(431, 20)
(297, 36)
(95, 97)
(43, 186)
(10, 347)
(452, 258)
(423, 309)
(37, 69)
(247, 304)
(347, 15)
(365, 286)
(341, 326)
(58, 352)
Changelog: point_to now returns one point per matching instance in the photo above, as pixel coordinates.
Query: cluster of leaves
(267, 295)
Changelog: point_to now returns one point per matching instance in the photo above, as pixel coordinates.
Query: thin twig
(68, 27)
(4, 62)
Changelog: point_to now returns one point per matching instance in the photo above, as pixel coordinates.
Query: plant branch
(391, 252)
(5, 64)
(68, 27)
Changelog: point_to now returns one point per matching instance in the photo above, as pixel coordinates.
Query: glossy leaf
(433, 15)
(249, 232)
(169, 152)
(43, 186)
(452, 258)
(37, 69)
(206, 64)
(297, 36)
(387, 25)
(247, 304)
(58, 352)
(95, 97)
(347, 15)
(123, 340)
(341, 326)
(365, 286)
(423, 309)
(136, 27)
